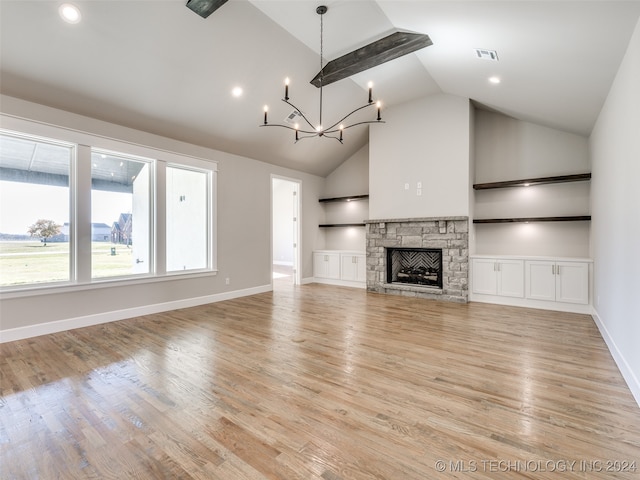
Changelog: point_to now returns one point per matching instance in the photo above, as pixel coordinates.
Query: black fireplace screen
(417, 266)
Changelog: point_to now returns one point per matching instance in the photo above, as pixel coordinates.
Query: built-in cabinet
(550, 283)
(495, 276)
(557, 281)
(340, 267)
(353, 267)
(326, 264)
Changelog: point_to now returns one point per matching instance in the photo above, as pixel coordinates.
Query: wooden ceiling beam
(376, 53)
(204, 8)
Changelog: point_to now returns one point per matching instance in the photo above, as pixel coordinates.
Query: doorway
(285, 231)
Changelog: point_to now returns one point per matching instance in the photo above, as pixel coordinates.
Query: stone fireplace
(419, 257)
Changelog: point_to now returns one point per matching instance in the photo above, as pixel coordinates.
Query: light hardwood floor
(320, 382)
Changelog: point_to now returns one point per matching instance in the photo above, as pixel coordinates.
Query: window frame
(209, 215)
(80, 207)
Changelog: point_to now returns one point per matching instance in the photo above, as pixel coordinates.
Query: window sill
(48, 289)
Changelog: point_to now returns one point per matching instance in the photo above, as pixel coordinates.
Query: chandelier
(335, 130)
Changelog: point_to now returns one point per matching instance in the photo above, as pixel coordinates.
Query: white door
(540, 280)
(572, 282)
(285, 228)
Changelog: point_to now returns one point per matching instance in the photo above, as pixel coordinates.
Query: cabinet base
(529, 303)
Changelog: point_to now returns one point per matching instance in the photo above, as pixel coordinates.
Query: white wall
(510, 149)
(423, 141)
(243, 223)
(615, 231)
(350, 178)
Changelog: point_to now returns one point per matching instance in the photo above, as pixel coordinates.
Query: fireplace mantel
(451, 234)
(416, 220)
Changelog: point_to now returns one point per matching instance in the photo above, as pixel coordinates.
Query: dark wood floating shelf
(344, 199)
(342, 225)
(575, 218)
(580, 177)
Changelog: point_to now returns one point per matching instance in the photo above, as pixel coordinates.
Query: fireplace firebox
(415, 266)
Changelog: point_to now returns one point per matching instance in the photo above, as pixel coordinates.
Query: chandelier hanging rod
(320, 131)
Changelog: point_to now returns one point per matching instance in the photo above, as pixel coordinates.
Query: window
(78, 209)
(120, 215)
(187, 218)
(34, 210)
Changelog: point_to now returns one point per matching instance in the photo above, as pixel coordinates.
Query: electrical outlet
(227, 281)
(406, 186)
(419, 185)
(419, 192)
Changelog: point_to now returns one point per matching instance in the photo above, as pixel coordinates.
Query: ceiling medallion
(336, 129)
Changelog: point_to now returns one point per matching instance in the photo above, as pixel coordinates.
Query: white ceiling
(156, 66)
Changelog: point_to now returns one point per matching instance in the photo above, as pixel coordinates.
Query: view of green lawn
(24, 262)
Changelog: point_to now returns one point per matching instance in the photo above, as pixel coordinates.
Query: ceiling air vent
(293, 117)
(487, 54)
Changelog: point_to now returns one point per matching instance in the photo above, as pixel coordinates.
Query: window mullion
(160, 223)
(82, 217)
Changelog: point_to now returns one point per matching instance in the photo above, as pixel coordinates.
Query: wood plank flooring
(320, 382)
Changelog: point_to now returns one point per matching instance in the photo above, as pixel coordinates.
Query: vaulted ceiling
(159, 67)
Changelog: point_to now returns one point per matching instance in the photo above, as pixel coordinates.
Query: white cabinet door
(361, 270)
(353, 267)
(510, 278)
(572, 282)
(326, 265)
(348, 267)
(484, 277)
(540, 280)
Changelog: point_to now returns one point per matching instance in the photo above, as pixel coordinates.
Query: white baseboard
(20, 333)
(307, 280)
(626, 371)
(529, 303)
(340, 283)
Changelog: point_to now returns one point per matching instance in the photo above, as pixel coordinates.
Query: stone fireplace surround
(451, 234)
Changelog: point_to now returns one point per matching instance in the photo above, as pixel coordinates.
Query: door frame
(296, 230)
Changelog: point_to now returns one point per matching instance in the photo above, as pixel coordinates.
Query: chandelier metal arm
(300, 112)
(348, 115)
(313, 133)
(356, 124)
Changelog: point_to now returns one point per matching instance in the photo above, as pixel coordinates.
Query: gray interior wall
(350, 178)
(615, 203)
(243, 224)
(510, 149)
(424, 141)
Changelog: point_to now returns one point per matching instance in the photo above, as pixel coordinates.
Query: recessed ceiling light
(494, 80)
(69, 13)
(236, 92)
